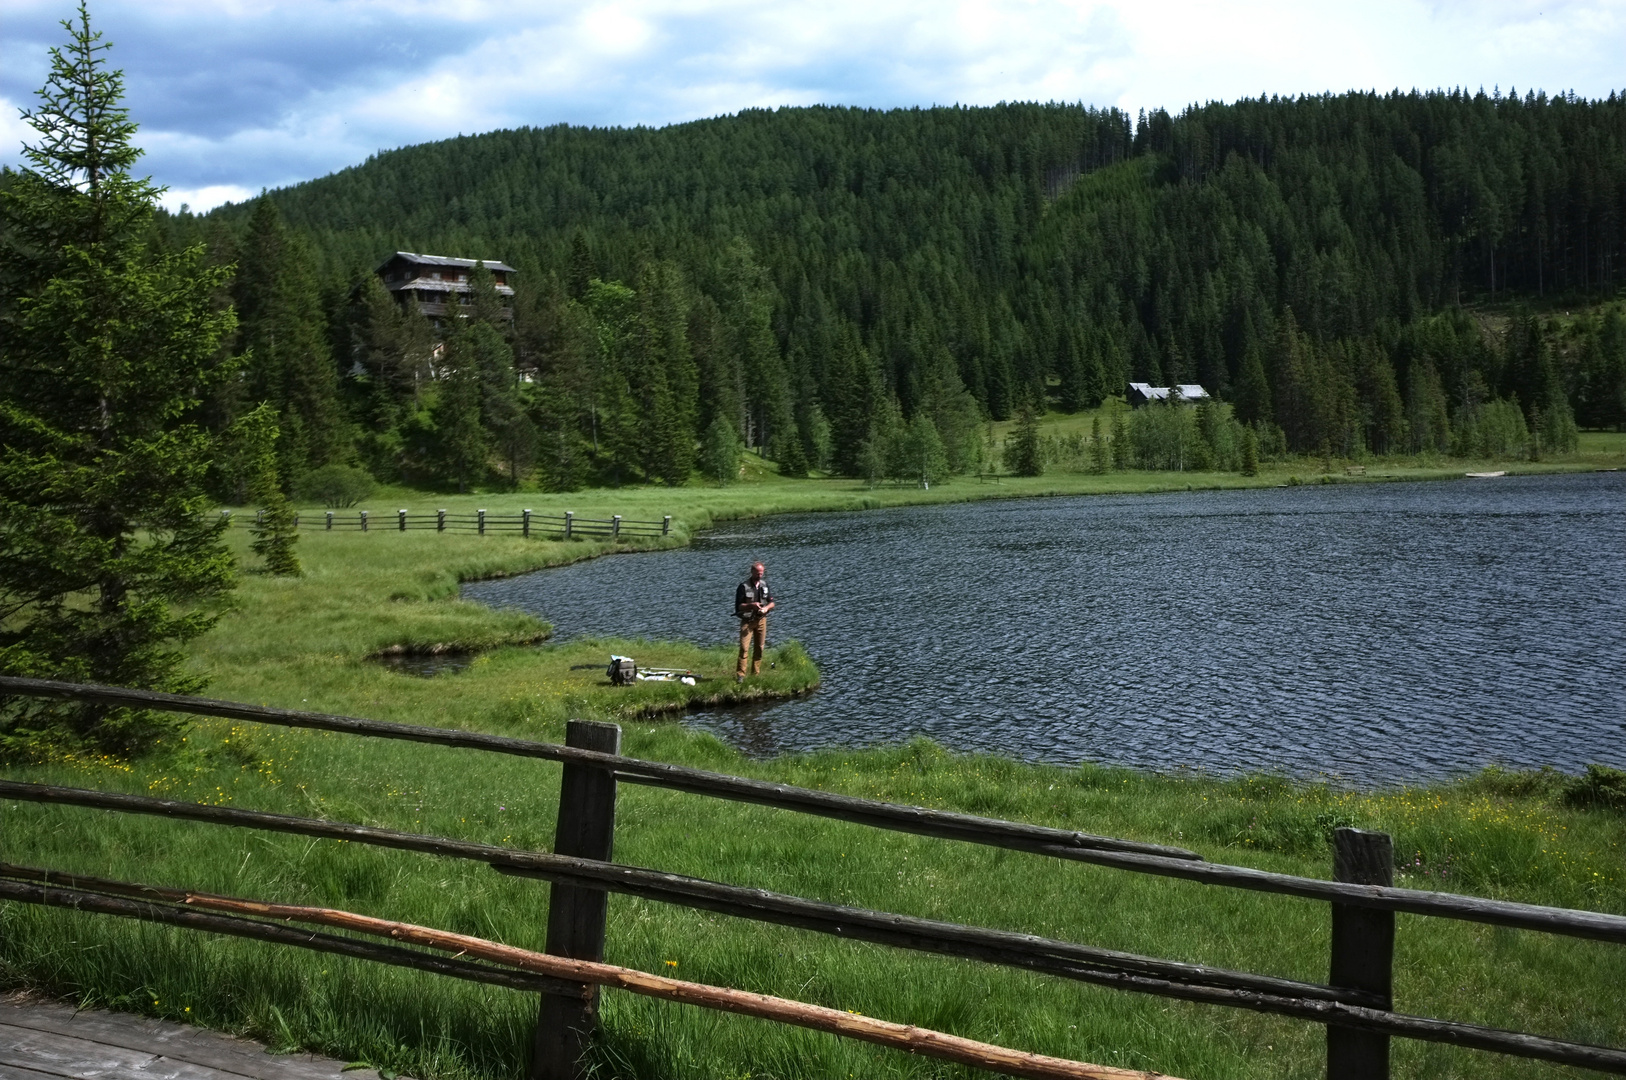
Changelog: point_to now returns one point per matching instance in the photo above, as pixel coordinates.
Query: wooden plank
(1363, 949)
(68, 1056)
(17, 1072)
(585, 828)
(199, 1046)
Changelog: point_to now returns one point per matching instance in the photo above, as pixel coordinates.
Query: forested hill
(1306, 258)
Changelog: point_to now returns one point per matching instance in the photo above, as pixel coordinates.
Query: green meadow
(311, 642)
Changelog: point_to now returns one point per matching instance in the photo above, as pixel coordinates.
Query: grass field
(307, 642)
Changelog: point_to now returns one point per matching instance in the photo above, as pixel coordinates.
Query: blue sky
(233, 96)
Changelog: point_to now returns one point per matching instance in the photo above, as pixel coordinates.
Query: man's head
(758, 571)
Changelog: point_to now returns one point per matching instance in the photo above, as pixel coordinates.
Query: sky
(238, 95)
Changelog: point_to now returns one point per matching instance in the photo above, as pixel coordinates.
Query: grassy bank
(307, 642)
(1491, 837)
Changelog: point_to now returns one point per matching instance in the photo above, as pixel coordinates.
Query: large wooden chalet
(437, 285)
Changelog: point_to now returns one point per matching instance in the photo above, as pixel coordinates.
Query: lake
(1367, 634)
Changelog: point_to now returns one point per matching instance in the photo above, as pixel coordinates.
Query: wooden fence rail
(1355, 1006)
(91, 894)
(1019, 836)
(566, 526)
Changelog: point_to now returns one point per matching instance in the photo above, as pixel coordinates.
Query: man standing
(752, 602)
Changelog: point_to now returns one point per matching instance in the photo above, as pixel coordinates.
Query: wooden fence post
(330, 521)
(440, 521)
(586, 829)
(570, 519)
(482, 515)
(1363, 950)
(364, 521)
(615, 524)
(525, 524)
(666, 525)
(259, 519)
(401, 519)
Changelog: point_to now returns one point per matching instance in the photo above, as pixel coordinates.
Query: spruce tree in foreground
(275, 532)
(109, 554)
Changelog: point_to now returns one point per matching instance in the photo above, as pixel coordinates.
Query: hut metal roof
(444, 260)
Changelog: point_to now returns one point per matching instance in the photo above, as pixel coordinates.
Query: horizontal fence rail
(1356, 1008)
(566, 526)
(1036, 839)
(89, 895)
(911, 819)
(91, 900)
(1188, 982)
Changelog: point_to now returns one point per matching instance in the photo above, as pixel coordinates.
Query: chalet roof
(444, 260)
(1187, 391)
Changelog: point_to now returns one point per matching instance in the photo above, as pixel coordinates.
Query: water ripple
(1372, 633)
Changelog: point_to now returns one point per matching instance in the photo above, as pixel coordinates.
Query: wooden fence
(1355, 1004)
(566, 526)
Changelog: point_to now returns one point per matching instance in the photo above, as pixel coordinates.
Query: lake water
(1369, 634)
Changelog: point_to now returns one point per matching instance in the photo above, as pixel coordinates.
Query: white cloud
(234, 96)
(13, 131)
(204, 198)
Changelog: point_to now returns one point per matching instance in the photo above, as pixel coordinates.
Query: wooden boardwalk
(43, 1040)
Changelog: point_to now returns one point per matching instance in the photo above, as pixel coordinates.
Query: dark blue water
(1368, 633)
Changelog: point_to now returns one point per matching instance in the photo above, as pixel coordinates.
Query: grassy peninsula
(309, 642)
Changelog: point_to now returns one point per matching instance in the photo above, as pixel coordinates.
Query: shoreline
(967, 491)
(303, 644)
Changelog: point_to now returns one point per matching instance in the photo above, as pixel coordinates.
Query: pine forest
(860, 292)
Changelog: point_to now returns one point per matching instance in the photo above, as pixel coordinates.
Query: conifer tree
(720, 454)
(109, 558)
(1023, 455)
(1253, 390)
(275, 533)
(953, 412)
(1427, 419)
(1250, 452)
(617, 431)
(1120, 441)
(1383, 412)
(285, 336)
(1098, 448)
(666, 376)
(582, 269)
(393, 345)
(464, 444)
(923, 454)
(854, 398)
